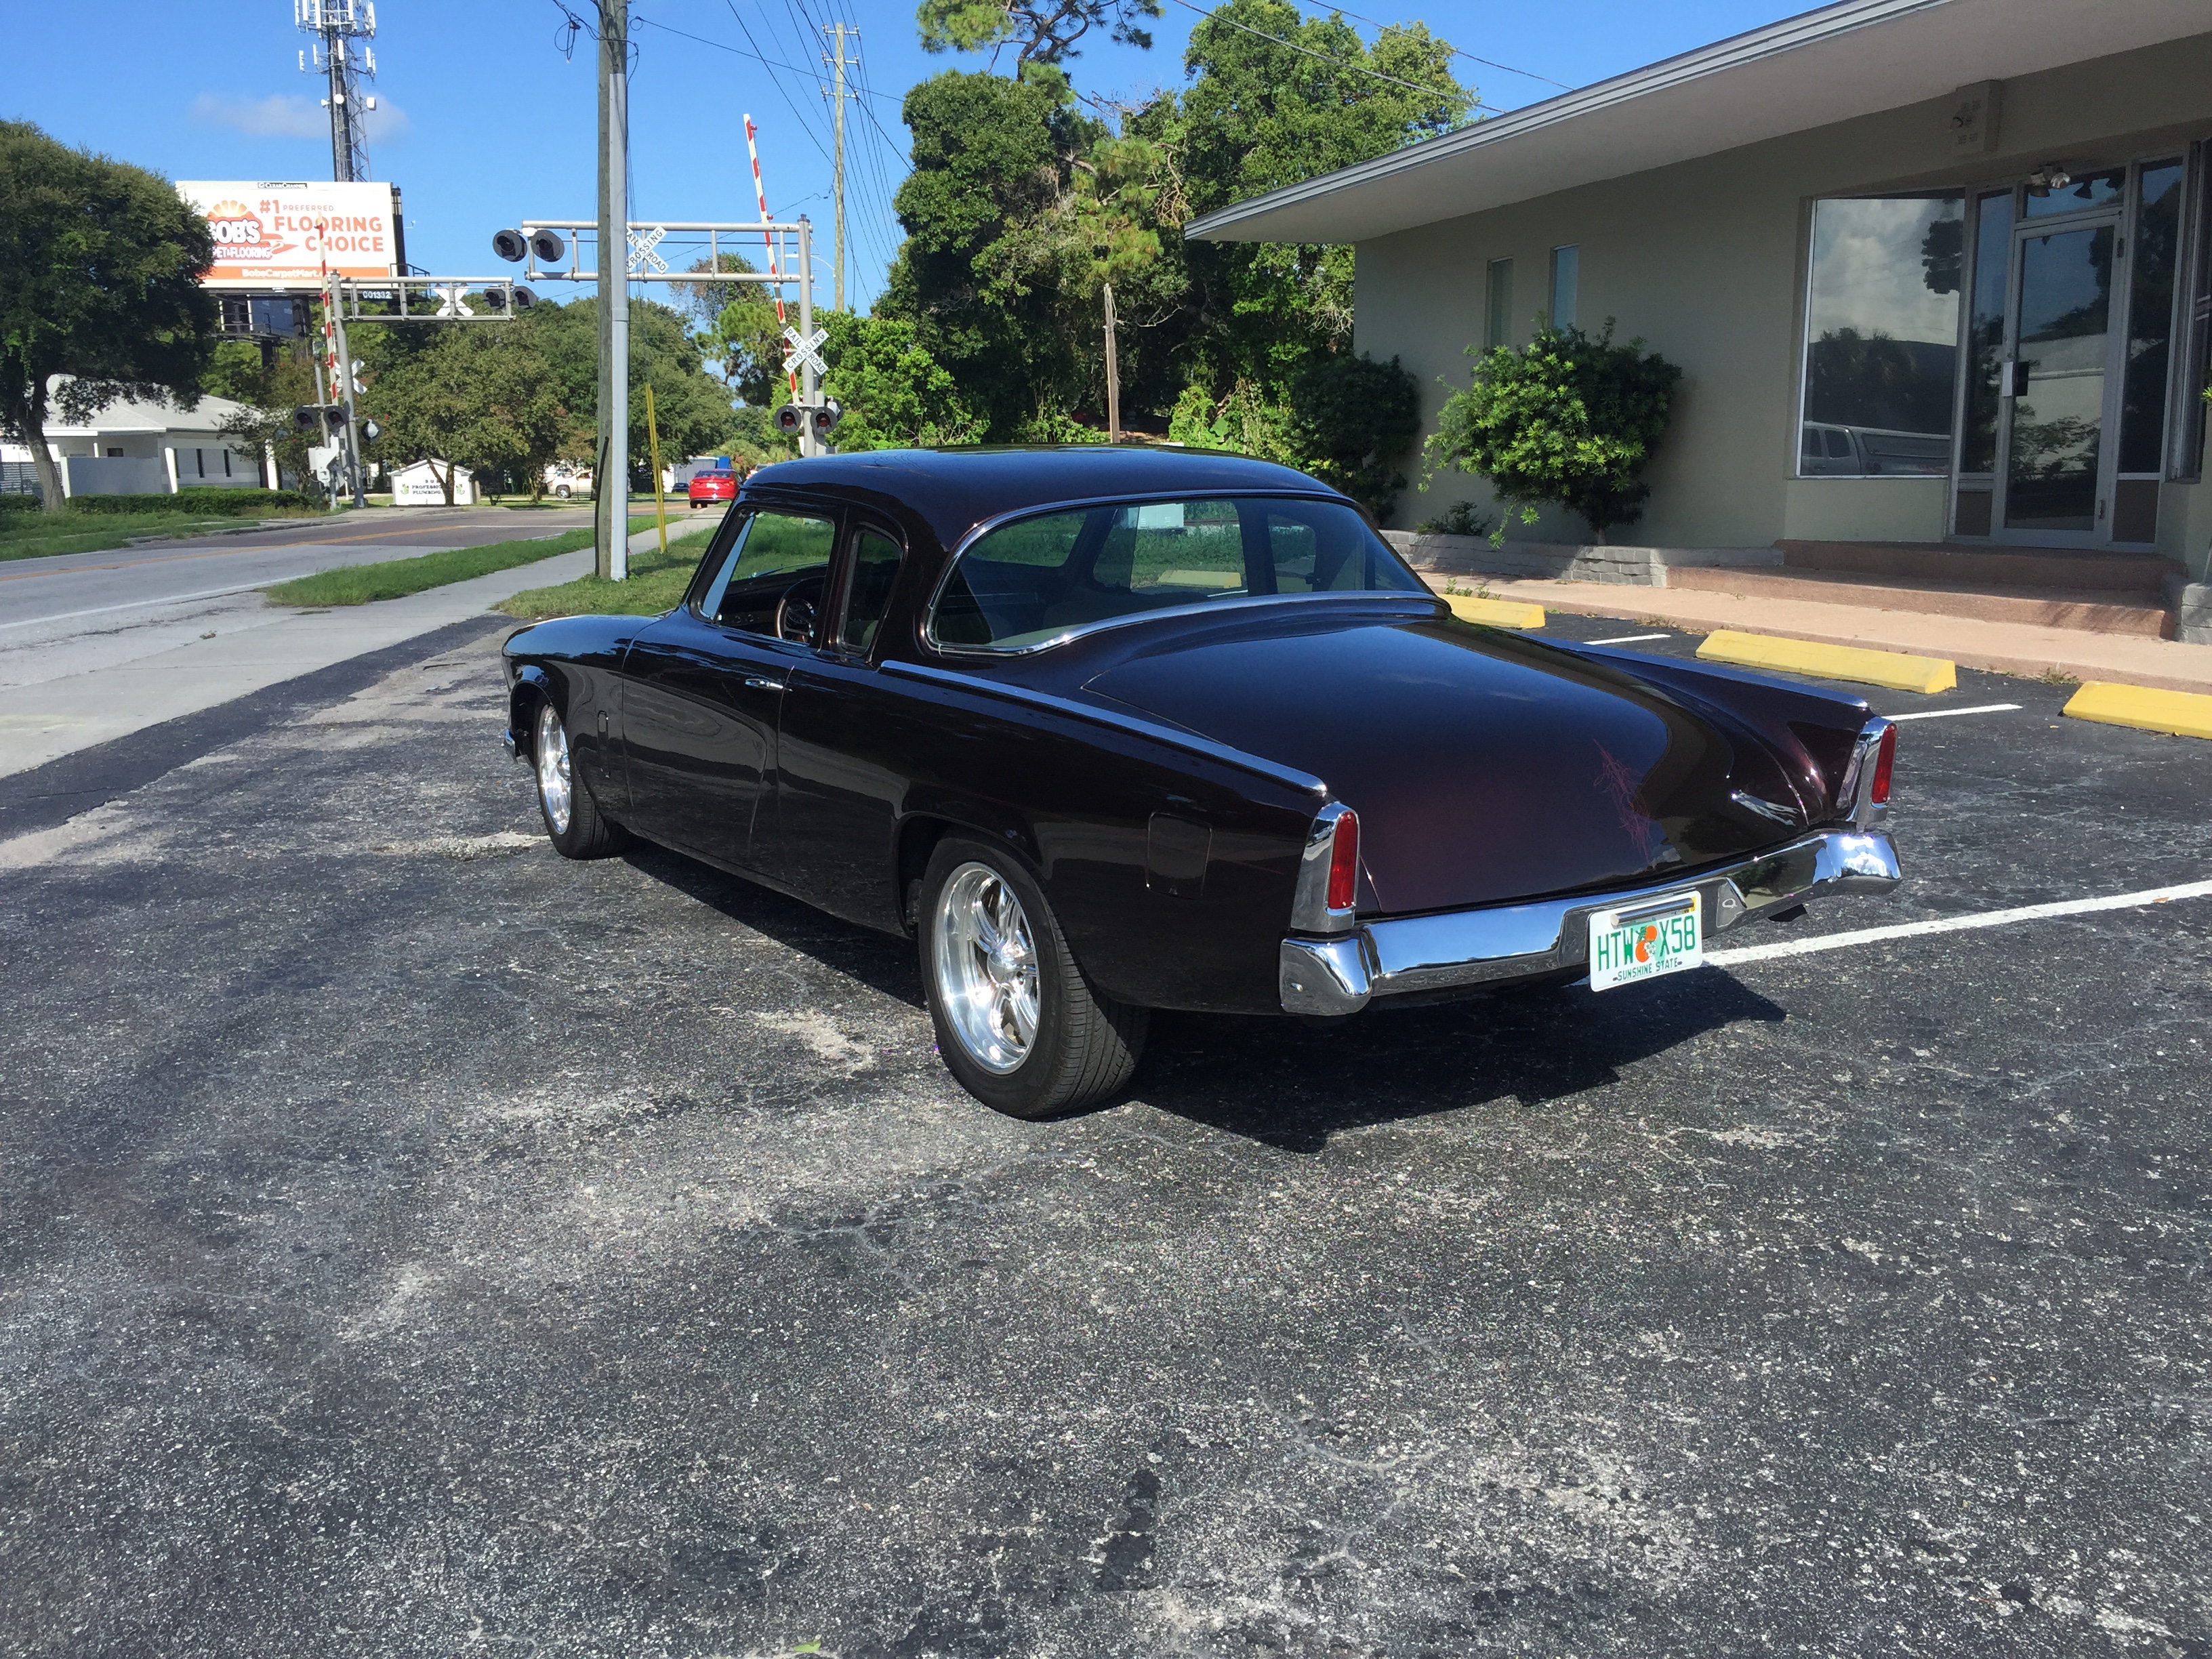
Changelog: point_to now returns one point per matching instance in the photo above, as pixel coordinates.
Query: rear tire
(1019, 1026)
(573, 822)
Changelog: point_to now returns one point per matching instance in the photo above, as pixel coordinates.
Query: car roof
(953, 490)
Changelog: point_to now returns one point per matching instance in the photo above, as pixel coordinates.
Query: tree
(1567, 418)
(479, 397)
(1047, 29)
(1351, 419)
(99, 269)
(893, 393)
(691, 408)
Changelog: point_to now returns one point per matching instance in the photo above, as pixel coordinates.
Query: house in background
(135, 448)
(1934, 270)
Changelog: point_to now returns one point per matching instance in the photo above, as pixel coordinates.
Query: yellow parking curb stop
(1893, 669)
(1498, 613)
(2184, 713)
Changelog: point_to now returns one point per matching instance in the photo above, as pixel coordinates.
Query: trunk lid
(1485, 767)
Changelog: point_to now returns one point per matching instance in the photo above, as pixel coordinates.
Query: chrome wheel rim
(554, 785)
(987, 966)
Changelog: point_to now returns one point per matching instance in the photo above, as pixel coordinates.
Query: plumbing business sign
(277, 235)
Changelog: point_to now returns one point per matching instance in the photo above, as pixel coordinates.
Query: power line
(1487, 63)
(1338, 62)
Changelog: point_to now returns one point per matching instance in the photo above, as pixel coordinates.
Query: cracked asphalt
(411, 1243)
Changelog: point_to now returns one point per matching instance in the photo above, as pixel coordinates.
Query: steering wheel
(796, 611)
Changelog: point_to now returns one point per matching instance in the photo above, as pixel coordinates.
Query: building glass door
(2054, 453)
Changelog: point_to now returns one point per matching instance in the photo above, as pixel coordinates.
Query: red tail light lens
(1344, 862)
(1884, 758)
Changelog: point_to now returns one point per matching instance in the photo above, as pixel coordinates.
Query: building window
(1881, 336)
(1566, 262)
(225, 464)
(2150, 320)
(1497, 321)
(114, 450)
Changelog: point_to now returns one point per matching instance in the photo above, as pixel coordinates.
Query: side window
(777, 564)
(868, 596)
(1001, 586)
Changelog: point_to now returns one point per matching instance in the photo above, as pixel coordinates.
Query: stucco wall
(1705, 260)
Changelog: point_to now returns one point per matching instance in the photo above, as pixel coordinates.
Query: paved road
(414, 1243)
(60, 614)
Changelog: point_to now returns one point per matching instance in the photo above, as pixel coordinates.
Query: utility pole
(839, 96)
(1113, 375)
(612, 520)
(336, 24)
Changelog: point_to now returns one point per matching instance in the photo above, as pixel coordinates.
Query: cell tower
(336, 24)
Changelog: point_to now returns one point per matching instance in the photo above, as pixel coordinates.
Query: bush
(1349, 420)
(209, 499)
(1460, 519)
(1567, 419)
(13, 502)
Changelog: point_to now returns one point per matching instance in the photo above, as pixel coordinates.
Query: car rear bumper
(1459, 948)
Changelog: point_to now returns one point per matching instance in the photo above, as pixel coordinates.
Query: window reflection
(2094, 190)
(1881, 336)
(1985, 332)
(2150, 319)
(2057, 415)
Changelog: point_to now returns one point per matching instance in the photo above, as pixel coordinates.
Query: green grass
(35, 535)
(655, 584)
(395, 579)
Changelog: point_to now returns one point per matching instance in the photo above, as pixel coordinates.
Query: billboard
(276, 236)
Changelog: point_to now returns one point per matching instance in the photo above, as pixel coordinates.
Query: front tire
(573, 822)
(1019, 1026)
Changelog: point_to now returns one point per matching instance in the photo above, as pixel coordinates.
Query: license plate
(1643, 941)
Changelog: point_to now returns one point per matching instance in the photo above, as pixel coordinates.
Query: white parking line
(1804, 947)
(1939, 713)
(1629, 639)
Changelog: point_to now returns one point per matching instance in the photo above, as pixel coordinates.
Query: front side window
(777, 563)
(1037, 580)
(1882, 330)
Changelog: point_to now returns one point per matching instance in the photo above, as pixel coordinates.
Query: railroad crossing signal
(820, 419)
(642, 255)
(806, 349)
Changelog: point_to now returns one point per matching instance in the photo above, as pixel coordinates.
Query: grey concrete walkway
(229, 646)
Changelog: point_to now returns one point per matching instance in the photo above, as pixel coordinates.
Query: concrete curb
(1495, 613)
(2182, 714)
(1893, 669)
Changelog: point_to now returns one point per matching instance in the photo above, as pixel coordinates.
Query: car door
(839, 788)
(704, 688)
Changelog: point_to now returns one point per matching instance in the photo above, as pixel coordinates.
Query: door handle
(761, 683)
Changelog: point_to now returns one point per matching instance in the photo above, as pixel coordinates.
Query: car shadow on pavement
(1292, 1085)
(877, 960)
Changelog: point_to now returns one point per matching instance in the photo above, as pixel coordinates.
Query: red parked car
(718, 483)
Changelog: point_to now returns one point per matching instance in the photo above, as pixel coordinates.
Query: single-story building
(423, 483)
(145, 448)
(1935, 271)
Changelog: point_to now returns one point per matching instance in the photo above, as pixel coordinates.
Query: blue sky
(484, 122)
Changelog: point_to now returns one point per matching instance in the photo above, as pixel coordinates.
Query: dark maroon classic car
(1107, 730)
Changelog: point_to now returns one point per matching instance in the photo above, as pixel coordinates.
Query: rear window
(1037, 579)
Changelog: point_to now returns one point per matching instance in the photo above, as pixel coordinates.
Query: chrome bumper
(1341, 975)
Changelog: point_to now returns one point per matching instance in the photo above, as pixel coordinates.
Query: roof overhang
(1830, 65)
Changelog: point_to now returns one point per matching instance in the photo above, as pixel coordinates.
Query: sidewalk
(261, 648)
(2007, 647)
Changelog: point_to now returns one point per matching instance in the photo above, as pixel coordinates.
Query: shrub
(1460, 519)
(1351, 419)
(14, 502)
(1567, 418)
(212, 500)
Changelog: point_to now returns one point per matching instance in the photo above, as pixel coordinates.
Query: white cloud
(288, 115)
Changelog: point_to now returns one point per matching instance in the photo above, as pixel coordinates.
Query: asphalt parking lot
(412, 1243)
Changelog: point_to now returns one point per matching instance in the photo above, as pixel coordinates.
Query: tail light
(1344, 856)
(1884, 758)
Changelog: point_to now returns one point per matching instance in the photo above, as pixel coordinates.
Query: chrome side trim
(1309, 911)
(1523, 941)
(1857, 787)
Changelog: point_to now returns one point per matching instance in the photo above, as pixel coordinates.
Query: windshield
(1037, 579)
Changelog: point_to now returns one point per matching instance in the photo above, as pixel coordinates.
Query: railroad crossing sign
(453, 299)
(806, 349)
(641, 254)
(358, 388)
